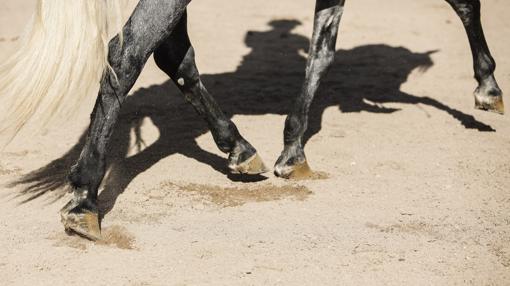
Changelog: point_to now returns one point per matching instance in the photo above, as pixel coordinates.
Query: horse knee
(178, 62)
(165, 60)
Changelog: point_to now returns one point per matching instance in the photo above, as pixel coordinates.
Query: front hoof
(297, 171)
(489, 99)
(251, 166)
(81, 221)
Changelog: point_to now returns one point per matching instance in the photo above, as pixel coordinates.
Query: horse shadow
(266, 82)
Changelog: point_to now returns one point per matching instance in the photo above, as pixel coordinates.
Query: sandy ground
(418, 181)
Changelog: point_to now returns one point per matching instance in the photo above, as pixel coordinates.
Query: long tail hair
(60, 60)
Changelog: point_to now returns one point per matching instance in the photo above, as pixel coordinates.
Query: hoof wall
(253, 166)
(489, 103)
(85, 224)
(300, 171)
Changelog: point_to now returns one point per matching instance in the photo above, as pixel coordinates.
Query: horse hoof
(489, 101)
(299, 171)
(83, 222)
(252, 166)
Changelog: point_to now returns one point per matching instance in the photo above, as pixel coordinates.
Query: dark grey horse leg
(488, 95)
(292, 162)
(176, 57)
(151, 23)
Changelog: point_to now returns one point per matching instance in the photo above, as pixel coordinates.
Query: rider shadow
(266, 82)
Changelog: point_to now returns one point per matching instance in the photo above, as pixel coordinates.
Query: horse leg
(151, 22)
(292, 162)
(488, 95)
(176, 57)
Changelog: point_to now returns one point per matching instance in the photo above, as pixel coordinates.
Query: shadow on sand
(266, 82)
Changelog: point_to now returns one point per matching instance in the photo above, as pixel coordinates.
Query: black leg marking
(488, 95)
(176, 57)
(292, 161)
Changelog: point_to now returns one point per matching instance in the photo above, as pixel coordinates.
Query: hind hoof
(299, 171)
(82, 222)
(252, 166)
(489, 100)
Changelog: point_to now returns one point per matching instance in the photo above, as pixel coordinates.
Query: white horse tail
(59, 62)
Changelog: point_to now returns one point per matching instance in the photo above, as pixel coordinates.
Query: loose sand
(417, 185)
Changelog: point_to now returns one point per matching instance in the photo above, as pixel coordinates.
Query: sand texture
(414, 186)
